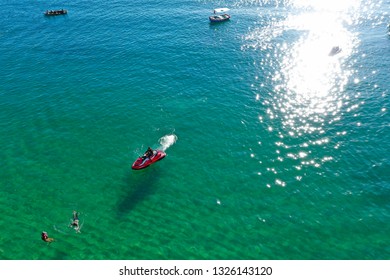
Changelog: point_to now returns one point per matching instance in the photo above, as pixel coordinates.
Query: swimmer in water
(75, 221)
(45, 237)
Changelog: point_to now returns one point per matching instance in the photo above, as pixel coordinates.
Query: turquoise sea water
(275, 149)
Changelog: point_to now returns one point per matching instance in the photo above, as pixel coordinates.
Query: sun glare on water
(304, 56)
(329, 5)
(311, 80)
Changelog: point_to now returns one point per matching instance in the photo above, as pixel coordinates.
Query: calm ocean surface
(275, 149)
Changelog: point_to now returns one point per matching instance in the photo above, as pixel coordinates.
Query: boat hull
(143, 161)
(219, 18)
(56, 12)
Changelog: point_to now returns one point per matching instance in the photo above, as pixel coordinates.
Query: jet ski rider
(149, 152)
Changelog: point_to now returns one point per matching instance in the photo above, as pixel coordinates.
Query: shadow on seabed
(138, 185)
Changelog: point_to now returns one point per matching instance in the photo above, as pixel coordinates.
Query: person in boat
(75, 221)
(45, 237)
(335, 50)
(149, 152)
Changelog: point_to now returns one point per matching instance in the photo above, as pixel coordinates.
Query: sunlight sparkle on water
(329, 5)
(306, 79)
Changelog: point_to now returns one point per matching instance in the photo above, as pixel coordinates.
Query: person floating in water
(75, 221)
(335, 50)
(46, 237)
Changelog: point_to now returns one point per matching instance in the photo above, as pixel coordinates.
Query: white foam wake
(167, 141)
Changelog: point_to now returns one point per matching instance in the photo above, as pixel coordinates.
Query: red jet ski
(144, 161)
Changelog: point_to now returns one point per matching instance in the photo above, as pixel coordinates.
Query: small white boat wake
(167, 141)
